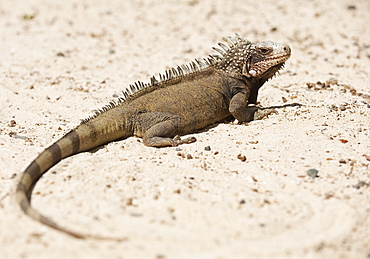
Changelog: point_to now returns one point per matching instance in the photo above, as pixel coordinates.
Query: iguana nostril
(286, 48)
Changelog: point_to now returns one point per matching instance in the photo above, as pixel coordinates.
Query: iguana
(183, 100)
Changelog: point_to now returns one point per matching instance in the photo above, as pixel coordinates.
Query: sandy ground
(60, 60)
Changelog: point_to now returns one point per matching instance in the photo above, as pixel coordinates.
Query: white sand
(211, 206)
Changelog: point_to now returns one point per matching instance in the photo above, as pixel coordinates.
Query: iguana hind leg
(162, 129)
(165, 142)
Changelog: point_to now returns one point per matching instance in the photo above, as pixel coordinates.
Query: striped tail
(68, 145)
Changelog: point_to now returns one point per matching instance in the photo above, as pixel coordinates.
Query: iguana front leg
(243, 113)
(239, 107)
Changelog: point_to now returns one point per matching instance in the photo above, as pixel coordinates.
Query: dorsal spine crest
(173, 74)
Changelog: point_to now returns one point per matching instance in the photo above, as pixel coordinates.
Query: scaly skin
(184, 100)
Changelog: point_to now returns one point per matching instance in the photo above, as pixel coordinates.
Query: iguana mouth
(267, 70)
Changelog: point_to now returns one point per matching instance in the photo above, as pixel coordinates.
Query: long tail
(68, 145)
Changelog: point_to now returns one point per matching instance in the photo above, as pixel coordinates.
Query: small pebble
(313, 173)
(360, 184)
(12, 123)
(332, 81)
(242, 158)
(342, 107)
(310, 85)
(342, 161)
(207, 148)
(351, 7)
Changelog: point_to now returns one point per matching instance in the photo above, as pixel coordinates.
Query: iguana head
(252, 61)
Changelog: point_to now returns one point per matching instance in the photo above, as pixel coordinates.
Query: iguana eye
(264, 50)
